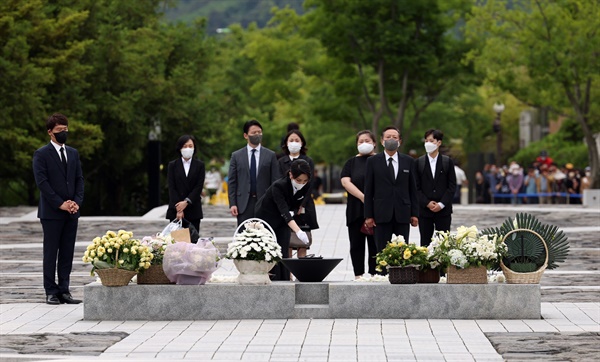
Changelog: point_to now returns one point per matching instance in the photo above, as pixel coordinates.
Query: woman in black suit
(280, 203)
(186, 179)
(353, 180)
(295, 148)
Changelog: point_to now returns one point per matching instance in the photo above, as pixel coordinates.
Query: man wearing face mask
(252, 170)
(58, 175)
(390, 196)
(436, 184)
(185, 176)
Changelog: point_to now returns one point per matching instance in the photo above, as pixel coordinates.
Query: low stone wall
(288, 300)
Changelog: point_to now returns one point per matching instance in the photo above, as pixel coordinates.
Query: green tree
(545, 53)
(405, 53)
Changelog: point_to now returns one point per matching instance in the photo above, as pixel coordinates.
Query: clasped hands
(180, 206)
(70, 206)
(434, 206)
(370, 222)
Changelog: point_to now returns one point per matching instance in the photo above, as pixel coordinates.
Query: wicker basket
(469, 275)
(402, 274)
(114, 277)
(428, 276)
(153, 275)
(513, 277)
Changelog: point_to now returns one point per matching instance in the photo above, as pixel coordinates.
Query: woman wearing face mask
(282, 200)
(186, 178)
(353, 180)
(295, 148)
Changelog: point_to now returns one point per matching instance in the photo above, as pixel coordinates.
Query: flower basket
(468, 275)
(153, 275)
(428, 275)
(114, 277)
(253, 272)
(403, 274)
(254, 251)
(514, 277)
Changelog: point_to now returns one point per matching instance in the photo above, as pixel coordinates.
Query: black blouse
(355, 168)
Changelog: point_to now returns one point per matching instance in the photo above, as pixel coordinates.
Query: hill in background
(222, 13)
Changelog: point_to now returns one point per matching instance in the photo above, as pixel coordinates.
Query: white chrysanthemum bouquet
(465, 247)
(256, 242)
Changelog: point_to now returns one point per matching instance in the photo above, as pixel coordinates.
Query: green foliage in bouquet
(117, 250)
(525, 249)
(399, 253)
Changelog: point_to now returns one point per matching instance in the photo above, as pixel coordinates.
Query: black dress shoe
(66, 298)
(52, 299)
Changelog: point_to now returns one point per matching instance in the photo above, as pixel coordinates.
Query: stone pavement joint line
(569, 326)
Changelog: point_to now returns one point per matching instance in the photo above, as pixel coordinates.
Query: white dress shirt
(186, 165)
(57, 148)
(256, 155)
(394, 162)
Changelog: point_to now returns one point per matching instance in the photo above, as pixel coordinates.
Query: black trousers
(357, 248)
(249, 212)
(283, 234)
(427, 225)
(59, 247)
(384, 231)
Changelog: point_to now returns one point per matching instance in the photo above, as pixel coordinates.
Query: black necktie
(253, 173)
(391, 167)
(62, 158)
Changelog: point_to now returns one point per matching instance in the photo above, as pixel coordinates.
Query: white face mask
(365, 148)
(294, 147)
(296, 185)
(430, 147)
(187, 152)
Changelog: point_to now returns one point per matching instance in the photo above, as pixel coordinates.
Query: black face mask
(61, 137)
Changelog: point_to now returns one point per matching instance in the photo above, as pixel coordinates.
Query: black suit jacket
(182, 187)
(385, 197)
(275, 205)
(441, 189)
(309, 205)
(55, 185)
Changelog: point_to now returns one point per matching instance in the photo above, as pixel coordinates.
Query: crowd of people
(388, 192)
(542, 182)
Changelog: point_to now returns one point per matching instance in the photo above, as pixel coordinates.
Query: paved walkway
(570, 310)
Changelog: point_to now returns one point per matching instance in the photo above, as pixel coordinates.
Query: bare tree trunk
(581, 116)
(399, 121)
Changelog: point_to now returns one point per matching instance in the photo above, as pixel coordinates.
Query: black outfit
(182, 187)
(274, 208)
(438, 189)
(58, 184)
(310, 216)
(355, 168)
(482, 192)
(391, 202)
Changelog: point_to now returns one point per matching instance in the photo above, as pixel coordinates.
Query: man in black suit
(251, 171)
(436, 184)
(391, 203)
(58, 175)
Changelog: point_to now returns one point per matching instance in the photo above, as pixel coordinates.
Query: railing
(565, 195)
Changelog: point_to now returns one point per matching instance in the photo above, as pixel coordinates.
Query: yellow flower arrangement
(117, 250)
(398, 253)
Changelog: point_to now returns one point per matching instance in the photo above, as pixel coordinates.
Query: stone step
(285, 300)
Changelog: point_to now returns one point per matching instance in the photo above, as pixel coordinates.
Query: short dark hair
(251, 123)
(300, 167)
(56, 118)
(183, 140)
(391, 127)
(436, 133)
(296, 132)
(367, 132)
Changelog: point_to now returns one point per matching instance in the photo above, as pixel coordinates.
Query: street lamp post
(498, 108)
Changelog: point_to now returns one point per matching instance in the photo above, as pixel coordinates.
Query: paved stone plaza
(31, 330)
